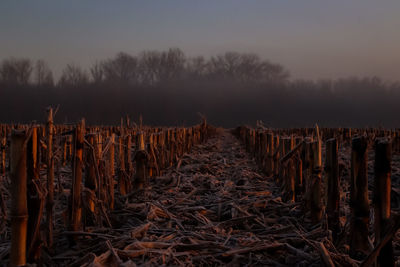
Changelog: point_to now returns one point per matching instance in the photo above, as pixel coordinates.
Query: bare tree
(43, 74)
(196, 68)
(149, 67)
(233, 66)
(74, 76)
(250, 68)
(16, 71)
(122, 69)
(159, 67)
(274, 72)
(173, 64)
(97, 72)
(224, 67)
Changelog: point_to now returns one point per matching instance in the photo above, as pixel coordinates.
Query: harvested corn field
(135, 195)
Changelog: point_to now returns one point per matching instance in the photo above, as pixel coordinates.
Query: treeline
(169, 88)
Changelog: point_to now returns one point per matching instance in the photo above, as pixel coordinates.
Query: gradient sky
(312, 38)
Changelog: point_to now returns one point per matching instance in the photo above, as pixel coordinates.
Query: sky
(313, 39)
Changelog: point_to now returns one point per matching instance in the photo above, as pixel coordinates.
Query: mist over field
(169, 88)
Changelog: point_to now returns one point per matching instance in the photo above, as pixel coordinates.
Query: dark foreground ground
(214, 208)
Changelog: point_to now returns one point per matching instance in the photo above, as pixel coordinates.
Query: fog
(169, 88)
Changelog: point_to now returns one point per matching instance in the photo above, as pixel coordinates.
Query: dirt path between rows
(216, 208)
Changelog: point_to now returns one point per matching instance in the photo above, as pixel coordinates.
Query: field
(128, 195)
